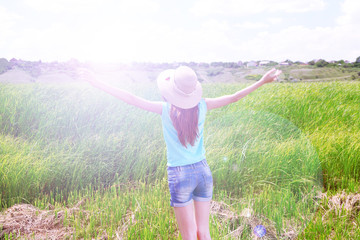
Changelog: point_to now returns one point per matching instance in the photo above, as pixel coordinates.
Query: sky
(176, 31)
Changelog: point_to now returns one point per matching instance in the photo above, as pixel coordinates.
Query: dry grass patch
(24, 221)
(240, 222)
(27, 222)
(342, 204)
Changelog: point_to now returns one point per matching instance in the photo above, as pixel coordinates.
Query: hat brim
(165, 82)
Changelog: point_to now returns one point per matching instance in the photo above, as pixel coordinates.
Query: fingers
(271, 71)
(278, 72)
(85, 74)
(274, 72)
(272, 75)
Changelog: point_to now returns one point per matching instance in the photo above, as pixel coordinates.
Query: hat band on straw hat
(174, 85)
(178, 90)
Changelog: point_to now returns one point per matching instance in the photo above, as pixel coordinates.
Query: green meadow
(278, 158)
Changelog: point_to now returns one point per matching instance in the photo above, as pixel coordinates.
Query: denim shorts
(190, 182)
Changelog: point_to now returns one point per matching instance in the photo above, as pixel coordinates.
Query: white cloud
(96, 7)
(350, 13)
(275, 20)
(296, 5)
(127, 31)
(226, 7)
(246, 7)
(296, 41)
(83, 29)
(182, 44)
(7, 20)
(340, 41)
(304, 44)
(62, 6)
(215, 25)
(251, 25)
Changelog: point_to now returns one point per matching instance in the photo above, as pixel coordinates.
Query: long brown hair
(185, 122)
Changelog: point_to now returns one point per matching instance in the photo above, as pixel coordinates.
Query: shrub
(35, 71)
(255, 77)
(4, 65)
(214, 71)
(321, 63)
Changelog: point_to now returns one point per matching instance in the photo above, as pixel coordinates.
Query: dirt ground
(25, 221)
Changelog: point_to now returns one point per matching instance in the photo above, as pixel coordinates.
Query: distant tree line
(35, 68)
(345, 64)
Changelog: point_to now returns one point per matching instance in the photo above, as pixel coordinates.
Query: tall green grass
(327, 113)
(267, 160)
(77, 137)
(270, 151)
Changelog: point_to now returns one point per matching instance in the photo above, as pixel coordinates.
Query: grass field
(286, 157)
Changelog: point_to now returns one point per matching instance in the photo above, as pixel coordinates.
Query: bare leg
(185, 218)
(202, 213)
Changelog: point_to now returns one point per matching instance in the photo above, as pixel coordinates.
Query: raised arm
(127, 97)
(227, 99)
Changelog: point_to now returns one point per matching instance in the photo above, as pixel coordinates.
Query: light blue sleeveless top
(177, 154)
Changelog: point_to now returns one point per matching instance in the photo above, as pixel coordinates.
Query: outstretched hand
(271, 75)
(86, 75)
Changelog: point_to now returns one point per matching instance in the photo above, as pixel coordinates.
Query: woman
(183, 115)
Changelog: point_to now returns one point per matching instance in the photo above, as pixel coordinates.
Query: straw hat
(180, 87)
